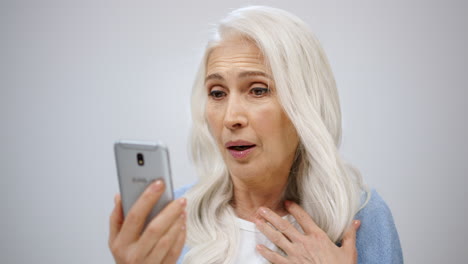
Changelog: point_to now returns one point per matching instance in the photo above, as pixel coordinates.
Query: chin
(245, 170)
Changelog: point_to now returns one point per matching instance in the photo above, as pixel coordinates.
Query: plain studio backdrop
(76, 76)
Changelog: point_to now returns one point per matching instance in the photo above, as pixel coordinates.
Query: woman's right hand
(162, 240)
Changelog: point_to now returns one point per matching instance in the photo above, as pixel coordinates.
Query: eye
(217, 94)
(259, 91)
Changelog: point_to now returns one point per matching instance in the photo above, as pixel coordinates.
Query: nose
(235, 116)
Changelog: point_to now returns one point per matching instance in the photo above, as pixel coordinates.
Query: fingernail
(356, 223)
(259, 247)
(182, 215)
(183, 227)
(116, 198)
(157, 185)
(182, 201)
(263, 211)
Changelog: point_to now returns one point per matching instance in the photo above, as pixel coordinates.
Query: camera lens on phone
(140, 159)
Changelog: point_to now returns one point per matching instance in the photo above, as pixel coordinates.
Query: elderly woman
(273, 187)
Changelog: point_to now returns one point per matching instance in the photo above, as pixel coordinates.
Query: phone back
(138, 165)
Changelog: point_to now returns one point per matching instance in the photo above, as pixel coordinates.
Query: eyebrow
(217, 76)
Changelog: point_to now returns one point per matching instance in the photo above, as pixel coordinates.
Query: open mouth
(241, 148)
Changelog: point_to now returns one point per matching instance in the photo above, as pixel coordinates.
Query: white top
(250, 237)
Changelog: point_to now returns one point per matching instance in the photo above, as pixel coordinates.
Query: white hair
(320, 181)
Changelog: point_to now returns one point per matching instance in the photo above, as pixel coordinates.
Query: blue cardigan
(377, 238)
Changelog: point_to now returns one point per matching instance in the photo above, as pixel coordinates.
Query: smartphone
(138, 165)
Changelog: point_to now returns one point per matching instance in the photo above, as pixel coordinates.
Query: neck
(249, 196)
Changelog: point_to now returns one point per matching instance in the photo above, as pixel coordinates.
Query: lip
(238, 143)
(239, 154)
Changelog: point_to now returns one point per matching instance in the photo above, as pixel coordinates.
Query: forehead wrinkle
(250, 66)
(239, 58)
(247, 62)
(223, 52)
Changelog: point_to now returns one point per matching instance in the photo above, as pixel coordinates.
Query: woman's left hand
(313, 246)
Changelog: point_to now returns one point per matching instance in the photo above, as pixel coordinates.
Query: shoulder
(377, 238)
(182, 190)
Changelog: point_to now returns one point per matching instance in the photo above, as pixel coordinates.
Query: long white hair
(320, 181)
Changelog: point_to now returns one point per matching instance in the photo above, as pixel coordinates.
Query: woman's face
(256, 138)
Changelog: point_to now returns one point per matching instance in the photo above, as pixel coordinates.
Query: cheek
(276, 130)
(290, 136)
(269, 125)
(214, 120)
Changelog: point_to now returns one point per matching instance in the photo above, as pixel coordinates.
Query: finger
(164, 248)
(303, 218)
(116, 219)
(160, 225)
(282, 225)
(177, 248)
(349, 238)
(136, 218)
(271, 256)
(274, 236)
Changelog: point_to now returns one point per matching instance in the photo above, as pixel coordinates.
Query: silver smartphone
(138, 165)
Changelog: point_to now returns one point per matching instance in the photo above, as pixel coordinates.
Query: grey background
(76, 76)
